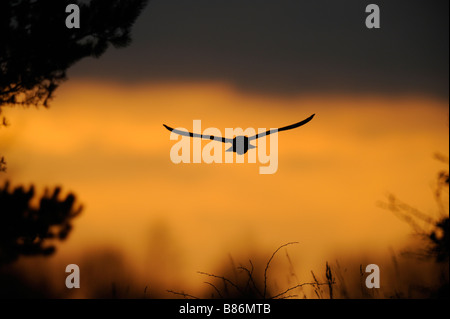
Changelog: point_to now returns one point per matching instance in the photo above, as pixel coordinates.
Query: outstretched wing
(284, 128)
(206, 137)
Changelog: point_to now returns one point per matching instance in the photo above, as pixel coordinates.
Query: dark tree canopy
(37, 48)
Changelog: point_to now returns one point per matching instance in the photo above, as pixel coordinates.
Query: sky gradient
(381, 104)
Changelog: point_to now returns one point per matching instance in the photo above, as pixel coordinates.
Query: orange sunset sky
(382, 113)
(176, 219)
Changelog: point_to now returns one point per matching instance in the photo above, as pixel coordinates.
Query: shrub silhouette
(25, 230)
(435, 234)
(436, 239)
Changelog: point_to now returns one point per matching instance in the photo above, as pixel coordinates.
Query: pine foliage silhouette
(28, 230)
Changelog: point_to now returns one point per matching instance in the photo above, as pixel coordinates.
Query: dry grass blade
(268, 264)
(298, 286)
(250, 278)
(215, 288)
(288, 296)
(330, 279)
(182, 294)
(223, 278)
(316, 286)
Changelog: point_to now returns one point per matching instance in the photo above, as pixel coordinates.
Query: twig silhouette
(268, 264)
(250, 277)
(224, 279)
(298, 286)
(330, 279)
(182, 294)
(215, 288)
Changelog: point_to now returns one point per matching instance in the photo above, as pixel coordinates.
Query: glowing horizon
(106, 143)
